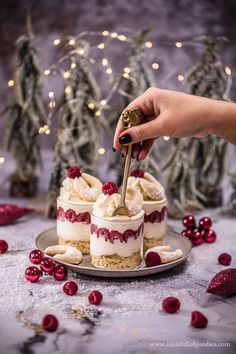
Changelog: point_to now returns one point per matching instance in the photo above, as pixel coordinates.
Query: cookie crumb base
(117, 262)
(83, 246)
(151, 242)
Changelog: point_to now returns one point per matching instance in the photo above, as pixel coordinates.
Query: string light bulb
(166, 138)
(56, 41)
(126, 75)
(109, 71)
(91, 105)
(127, 69)
(178, 44)
(98, 113)
(73, 65)
(103, 102)
(101, 151)
(121, 37)
(2, 160)
(155, 66)
(148, 44)
(101, 45)
(67, 89)
(81, 51)
(51, 94)
(47, 72)
(180, 77)
(66, 75)
(228, 70)
(11, 83)
(104, 61)
(114, 35)
(71, 42)
(105, 33)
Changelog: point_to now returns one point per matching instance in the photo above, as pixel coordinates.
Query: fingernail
(113, 149)
(125, 139)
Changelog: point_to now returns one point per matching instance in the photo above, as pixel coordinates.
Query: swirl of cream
(148, 186)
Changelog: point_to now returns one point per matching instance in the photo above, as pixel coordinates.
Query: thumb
(148, 130)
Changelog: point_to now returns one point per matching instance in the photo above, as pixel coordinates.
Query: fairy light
(73, 65)
(2, 160)
(91, 105)
(121, 37)
(126, 75)
(44, 130)
(166, 138)
(178, 44)
(101, 45)
(47, 131)
(104, 61)
(103, 102)
(66, 75)
(71, 42)
(101, 151)
(109, 71)
(51, 94)
(81, 51)
(67, 89)
(105, 33)
(52, 104)
(114, 35)
(11, 83)
(127, 70)
(56, 41)
(180, 77)
(98, 113)
(148, 44)
(155, 66)
(228, 70)
(47, 72)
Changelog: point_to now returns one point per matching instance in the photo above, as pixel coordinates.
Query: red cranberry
(70, 288)
(73, 172)
(50, 323)
(110, 188)
(32, 274)
(60, 272)
(205, 223)
(95, 297)
(36, 256)
(47, 265)
(137, 173)
(209, 236)
(188, 233)
(196, 238)
(3, 246)
(224, 259)
(198, 320)
(171, 304)
(152, 259)
(189, 221)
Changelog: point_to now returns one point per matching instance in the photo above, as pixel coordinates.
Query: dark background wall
(169, 20)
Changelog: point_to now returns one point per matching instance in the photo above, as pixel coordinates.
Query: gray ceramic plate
(49, 238)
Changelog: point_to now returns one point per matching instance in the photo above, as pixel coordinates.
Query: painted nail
(125, 139)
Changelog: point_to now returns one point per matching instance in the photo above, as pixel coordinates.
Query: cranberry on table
(109, 188)
(205, 223)
(209, 236)
(189, 221)
(3, 246)
(152, 259)
(196, 238)
(32, 274)
(60, 272)
(36, 256)
(171, 304)
(95, 297)
(188, 233)
(50, 323)
(224, 259)
(198, 320)
(70, 288)
(47, 265)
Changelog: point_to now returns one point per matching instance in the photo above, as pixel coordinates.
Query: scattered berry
(224, 259)
(171, 304)
(205, 223)
(209, 236)
(198, 320)
(73, 172)
(60, 272)
(196, 238)
(50, 323)
(70, 288)
(32, 274)
(47, 265)
(110, 188)
(36, 256)
(137, 173)
(95, 297)
(152, 259)
(189, 221)
(3, 246)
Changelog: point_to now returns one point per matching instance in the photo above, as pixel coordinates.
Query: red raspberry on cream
(74, 172)
(110, 188)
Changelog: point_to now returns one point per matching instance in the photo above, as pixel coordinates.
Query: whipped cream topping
(85, 188)
(106, 204)
(148, 186)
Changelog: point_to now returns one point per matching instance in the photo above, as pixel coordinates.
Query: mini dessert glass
(73, 224)
(116, 242)
(154, 223)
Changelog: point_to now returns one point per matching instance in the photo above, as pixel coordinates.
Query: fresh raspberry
(137, 173)
(110, 188)
(224, 259)
(95, 297)
(152, 259)
(209, 236)
(3, 246)
(70, 288)
(205, 223)
(50, 323)
(196, 238)
(198, 320)
(171, 304)
(189, 221)
(73, 172)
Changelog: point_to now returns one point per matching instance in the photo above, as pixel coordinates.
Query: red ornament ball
(95, 297)
(188, 233)
(110, 188)
(224, 259)
(171, 304)
(32, 274)
(3, 246)
(70, 288)
(36, 256)
(223, 283)
(47, 265)
(205, 223)
(209, 236)
(198, 320)
(60, 272)
(189, 221)
(50, 323)
(197, 238)
(152, 259)
(137, 173)
(74, 172)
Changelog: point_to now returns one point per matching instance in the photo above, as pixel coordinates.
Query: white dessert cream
(74, 205)
(154, 206)
(116, 241)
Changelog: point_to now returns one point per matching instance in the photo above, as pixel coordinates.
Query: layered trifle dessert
(116, 242)
(78, 193)
(154, 206)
